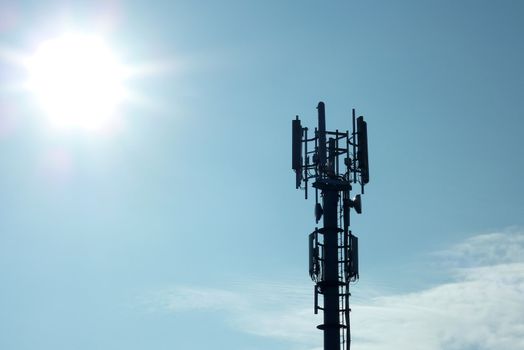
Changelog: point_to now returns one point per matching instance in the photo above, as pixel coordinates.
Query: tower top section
(330, 156)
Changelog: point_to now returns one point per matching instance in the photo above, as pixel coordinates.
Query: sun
(77, 80)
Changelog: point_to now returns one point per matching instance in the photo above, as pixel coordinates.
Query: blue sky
(183, 230)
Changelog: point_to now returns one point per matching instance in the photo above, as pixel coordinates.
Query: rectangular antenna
(345, 210)
(315, 292)
(353, 271)
(362, 153)
(313, 256)
(296, 147)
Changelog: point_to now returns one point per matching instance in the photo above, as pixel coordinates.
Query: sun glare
(77, 81)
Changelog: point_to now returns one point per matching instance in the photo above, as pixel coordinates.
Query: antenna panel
(362, 153)
(353, 266)
(296, 146)
(313, 256)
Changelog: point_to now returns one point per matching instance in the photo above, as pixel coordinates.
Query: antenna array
(335, 161)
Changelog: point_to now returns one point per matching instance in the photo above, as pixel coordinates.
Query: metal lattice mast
(333, 249)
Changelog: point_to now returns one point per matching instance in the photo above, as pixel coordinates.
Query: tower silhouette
(333, 248)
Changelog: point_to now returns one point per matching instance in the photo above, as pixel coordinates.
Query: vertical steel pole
(331, 283)
(331, 280)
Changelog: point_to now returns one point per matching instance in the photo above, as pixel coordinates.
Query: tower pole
(330, 285)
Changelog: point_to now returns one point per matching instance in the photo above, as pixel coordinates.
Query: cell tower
(333, 248)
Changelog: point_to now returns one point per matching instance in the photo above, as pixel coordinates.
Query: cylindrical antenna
(321, 136)
(354, 135)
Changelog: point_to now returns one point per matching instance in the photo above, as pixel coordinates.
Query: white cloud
(482, 307)
(486, 250)
(275, 310)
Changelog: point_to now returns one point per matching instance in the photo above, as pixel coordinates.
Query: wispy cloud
(481, 307)
(486, 250)
(268, 309)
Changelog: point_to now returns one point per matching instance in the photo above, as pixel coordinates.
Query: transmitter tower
(335, 161)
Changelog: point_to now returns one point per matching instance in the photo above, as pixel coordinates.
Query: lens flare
(77, 81)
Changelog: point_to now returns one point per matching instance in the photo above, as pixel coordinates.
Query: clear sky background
(183, 229)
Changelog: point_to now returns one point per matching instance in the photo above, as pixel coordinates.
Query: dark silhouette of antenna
(333, 249)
